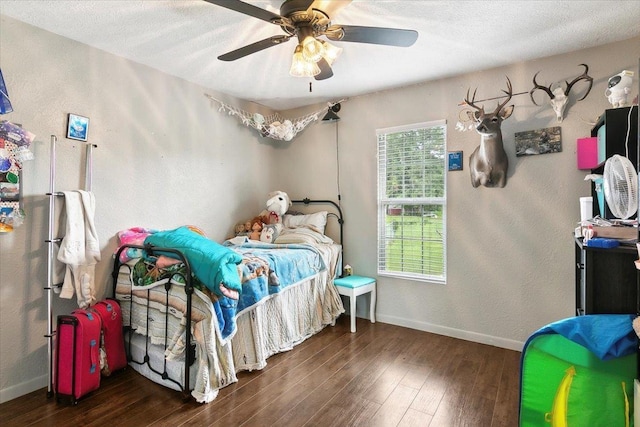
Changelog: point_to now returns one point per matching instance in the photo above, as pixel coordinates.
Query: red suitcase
(112, 336)
(77, 355)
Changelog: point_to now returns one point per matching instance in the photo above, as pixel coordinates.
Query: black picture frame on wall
(77, 127)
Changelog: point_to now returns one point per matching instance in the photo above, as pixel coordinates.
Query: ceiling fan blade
(248, 9)
(325, 70)
(376, 35)
(253, 48)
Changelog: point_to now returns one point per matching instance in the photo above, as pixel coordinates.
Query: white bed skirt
(275, 325)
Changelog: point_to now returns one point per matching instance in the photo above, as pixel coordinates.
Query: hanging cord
(338, 164)
(626, 141)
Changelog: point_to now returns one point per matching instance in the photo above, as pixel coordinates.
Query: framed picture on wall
(455, 160)
(540, 141)
(78, 127)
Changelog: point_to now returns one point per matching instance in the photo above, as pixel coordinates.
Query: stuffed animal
(256, 228)
(270, 233)
(277, 204)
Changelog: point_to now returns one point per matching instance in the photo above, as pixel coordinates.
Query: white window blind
(412, 201)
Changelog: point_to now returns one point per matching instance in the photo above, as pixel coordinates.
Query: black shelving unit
(607, 281)
(618, 127)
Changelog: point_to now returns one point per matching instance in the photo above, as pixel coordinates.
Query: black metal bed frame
(188, 288)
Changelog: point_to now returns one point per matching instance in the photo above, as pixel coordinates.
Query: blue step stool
(352, 287)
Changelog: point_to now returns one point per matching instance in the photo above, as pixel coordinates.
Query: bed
(267, 298)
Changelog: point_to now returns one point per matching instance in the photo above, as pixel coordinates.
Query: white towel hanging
(80, 249)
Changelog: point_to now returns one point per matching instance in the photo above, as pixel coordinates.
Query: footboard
(189, 353)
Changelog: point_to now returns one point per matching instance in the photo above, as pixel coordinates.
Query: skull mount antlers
(558, 96)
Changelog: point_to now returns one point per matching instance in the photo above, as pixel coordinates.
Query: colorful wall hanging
(14, 151)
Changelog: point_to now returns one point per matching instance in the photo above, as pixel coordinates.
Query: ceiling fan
(308, 20)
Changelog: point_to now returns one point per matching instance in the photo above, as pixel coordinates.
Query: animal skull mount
(558, 96)
(489, 163)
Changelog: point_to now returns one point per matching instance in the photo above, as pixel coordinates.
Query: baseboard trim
(21, 389)
(452, 332)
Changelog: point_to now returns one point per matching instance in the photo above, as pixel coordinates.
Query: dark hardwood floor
(383, 375)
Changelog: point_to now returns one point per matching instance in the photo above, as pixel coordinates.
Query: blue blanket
(266, 270)
(210, 262)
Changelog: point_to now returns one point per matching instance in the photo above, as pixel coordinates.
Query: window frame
(383, 202)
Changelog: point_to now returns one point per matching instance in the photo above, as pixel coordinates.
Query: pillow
(316, 221)
(302, 235)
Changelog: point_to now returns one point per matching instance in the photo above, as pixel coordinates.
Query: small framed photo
(78, 127)
(455, 160)
(540, 141)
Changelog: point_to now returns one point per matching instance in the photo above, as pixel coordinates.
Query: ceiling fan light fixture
(331, 52)
(301, 67)
(312, 49)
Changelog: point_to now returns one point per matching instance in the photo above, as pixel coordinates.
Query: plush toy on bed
(277, 204)
(270, 233)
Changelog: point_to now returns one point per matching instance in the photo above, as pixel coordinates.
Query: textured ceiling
(184, 38)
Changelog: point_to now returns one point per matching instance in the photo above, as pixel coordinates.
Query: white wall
(166, 157)
(510, 257)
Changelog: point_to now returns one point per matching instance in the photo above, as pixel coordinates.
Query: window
(412, 201)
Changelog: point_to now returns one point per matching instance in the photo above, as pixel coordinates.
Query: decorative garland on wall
(272, 126)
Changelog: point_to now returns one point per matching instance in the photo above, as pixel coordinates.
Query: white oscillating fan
(620, 181)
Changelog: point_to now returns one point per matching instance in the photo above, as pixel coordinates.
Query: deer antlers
(583, 76)
(473, 99)
(508, 92)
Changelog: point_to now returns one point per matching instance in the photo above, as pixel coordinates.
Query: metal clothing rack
(51, 241)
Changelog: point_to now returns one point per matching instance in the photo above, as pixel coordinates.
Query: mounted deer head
(558, 97)
(489, 162)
